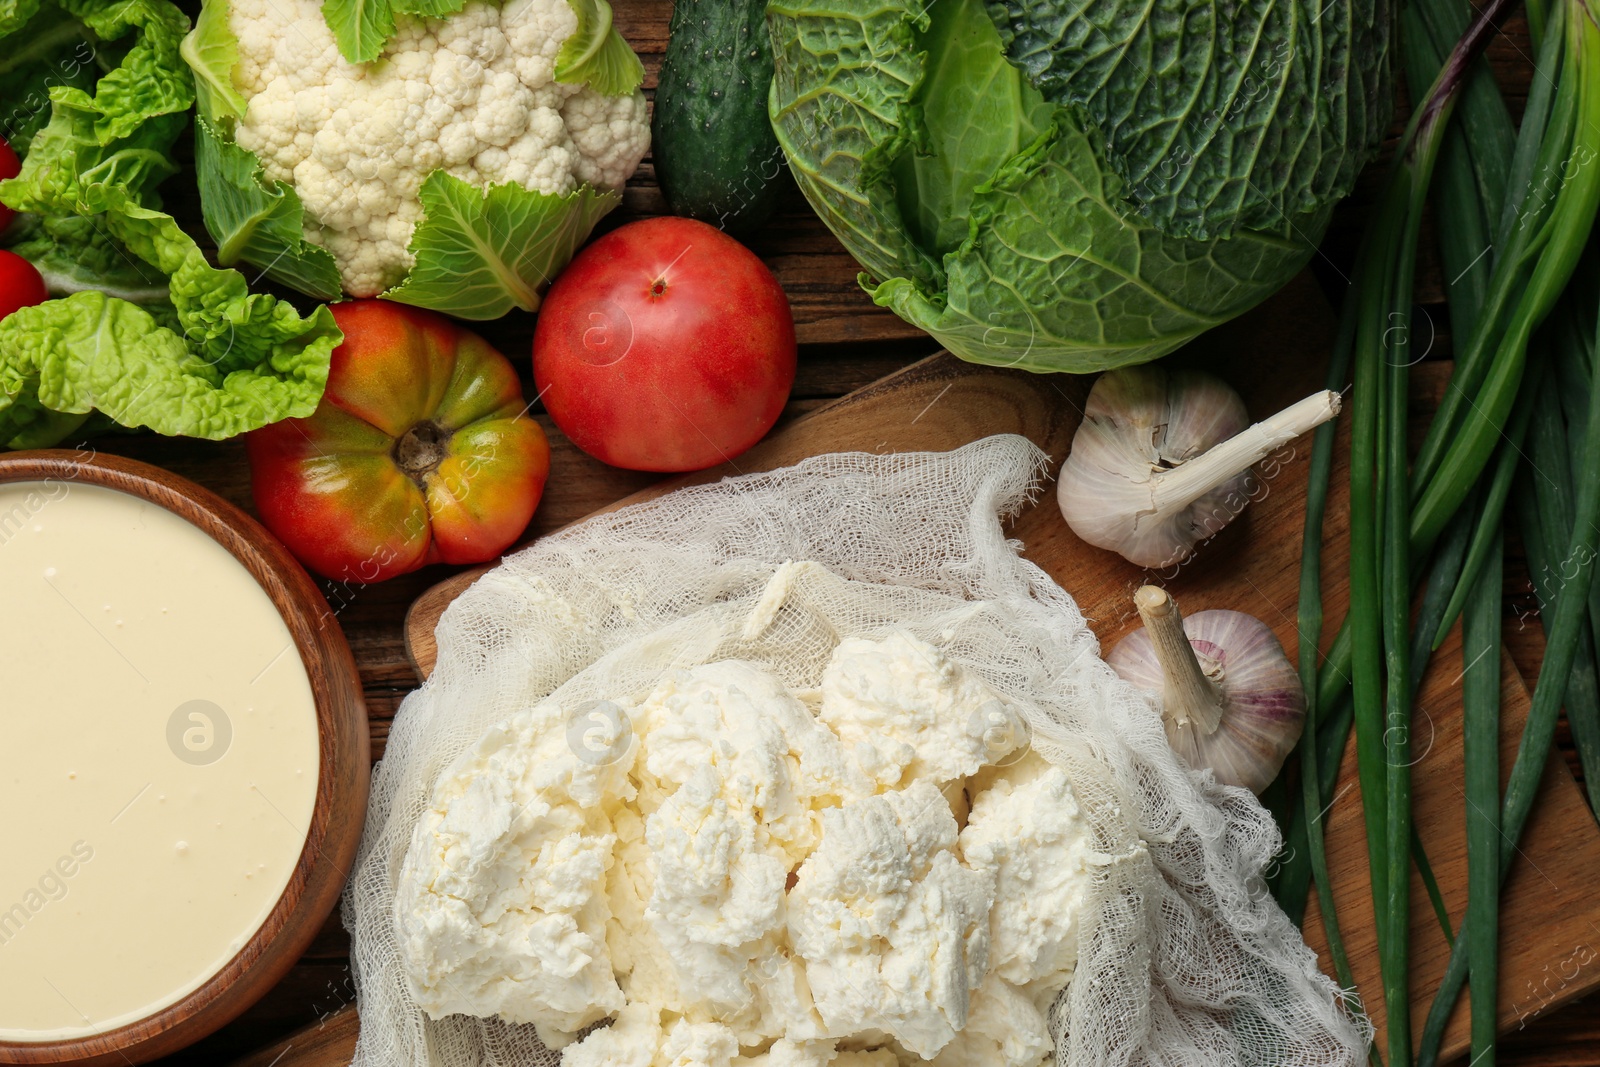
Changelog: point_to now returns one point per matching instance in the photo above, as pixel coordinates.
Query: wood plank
(1252, 567)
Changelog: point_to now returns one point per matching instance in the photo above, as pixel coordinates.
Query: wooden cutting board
(1551, 915)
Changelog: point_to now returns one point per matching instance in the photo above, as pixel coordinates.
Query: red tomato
(420, 452)
(665, 346)
(20, 284)
(10, 167)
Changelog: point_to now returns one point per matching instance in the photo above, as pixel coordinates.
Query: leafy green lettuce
(206, 359)
(478, 254)
(988, 212)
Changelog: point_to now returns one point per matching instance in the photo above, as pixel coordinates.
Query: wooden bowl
(344, 764)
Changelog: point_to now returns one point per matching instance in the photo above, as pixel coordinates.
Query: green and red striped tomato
(421, 451)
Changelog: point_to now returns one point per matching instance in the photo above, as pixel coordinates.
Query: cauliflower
(473, 95)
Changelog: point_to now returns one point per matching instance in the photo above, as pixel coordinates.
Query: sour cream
(158, 759)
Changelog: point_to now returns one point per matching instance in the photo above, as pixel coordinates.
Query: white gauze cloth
(1184, 958)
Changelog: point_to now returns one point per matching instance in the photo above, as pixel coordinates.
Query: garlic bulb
(1229, 696)
(1162, 460)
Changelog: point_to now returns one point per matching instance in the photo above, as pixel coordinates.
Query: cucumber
(716, 157)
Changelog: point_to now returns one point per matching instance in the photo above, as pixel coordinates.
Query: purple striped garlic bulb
(1230, 699)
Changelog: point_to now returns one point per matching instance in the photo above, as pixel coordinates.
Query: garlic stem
(1174, 489)
(1189, 697)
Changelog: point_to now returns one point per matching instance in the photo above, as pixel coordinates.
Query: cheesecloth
(1185, 959)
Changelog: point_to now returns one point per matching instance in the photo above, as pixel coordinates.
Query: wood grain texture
(344, 763)
(1550, 914)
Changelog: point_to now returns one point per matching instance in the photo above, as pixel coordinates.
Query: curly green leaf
(481, 254)
(1218, 116)
(596, 54)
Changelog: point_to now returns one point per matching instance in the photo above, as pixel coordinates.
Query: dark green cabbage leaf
(986, 211)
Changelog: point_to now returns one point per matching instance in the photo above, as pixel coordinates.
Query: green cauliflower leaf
(256, 220)
(481, 254)
(596, 55)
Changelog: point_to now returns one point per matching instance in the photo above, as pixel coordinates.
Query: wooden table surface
(846, 343)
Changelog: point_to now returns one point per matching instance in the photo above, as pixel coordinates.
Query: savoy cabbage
(1073, 185)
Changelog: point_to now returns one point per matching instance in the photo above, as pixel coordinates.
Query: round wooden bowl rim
(343, 763)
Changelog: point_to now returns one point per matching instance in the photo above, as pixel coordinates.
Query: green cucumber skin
(716, 157)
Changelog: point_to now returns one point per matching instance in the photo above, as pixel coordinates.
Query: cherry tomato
(20, 284)
(665, 346)
(10, 167)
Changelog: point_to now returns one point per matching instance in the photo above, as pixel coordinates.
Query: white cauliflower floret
(612, 133)
(473, 94)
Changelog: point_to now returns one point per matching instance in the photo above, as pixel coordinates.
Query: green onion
(1381, 533)
(1480, 697)
(1309, 627)
(1570, 146)
(1575, 205)
(1486, 535)
(1574, 364)
(1419, 856)
(1513, 263)
(1395, 608)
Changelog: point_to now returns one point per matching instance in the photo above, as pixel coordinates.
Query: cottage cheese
(1027, 829)
(501, 905)
(1004, 1029)
(907, 711)
(892, 925)
(752, 883)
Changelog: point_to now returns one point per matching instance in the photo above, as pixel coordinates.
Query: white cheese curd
(870, 1058)
(631, 1041)
(1004, 1029)
(892, 926)
(1027, 829)
(906, 711)
(501, 906)
(753, 883)
(734, 769)
(792, 1054)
